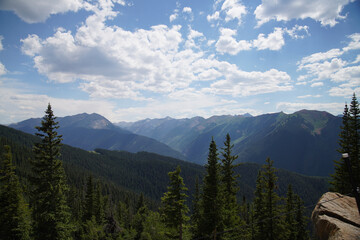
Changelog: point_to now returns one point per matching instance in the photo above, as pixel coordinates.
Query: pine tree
(89, 208)
(300, 220)
(273, 223)
(140, 216)
(231, 218)
(349, 143)
(259, 207)
(98, 205)
(196, 211)
(173, 204)
(14, 213)
(51, 216)
(290, 214)
(211, 220)
(354, 151)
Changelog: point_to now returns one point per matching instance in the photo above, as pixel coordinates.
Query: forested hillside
(303, 142)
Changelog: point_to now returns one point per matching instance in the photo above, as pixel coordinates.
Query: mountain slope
(90, 131)
(304, 142)
(144, 172)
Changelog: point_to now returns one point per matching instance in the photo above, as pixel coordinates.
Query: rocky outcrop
(336, 217)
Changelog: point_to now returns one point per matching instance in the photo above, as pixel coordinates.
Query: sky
(134, 59)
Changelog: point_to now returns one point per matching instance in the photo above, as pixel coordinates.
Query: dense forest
(53, 191)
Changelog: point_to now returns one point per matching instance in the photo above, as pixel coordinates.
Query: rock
(336, 217)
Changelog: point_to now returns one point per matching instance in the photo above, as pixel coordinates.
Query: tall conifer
(51, 214)
(173, 207)
(14, 214)
(211, 220)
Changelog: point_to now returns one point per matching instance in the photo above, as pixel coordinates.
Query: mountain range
(303, 142)
(124, 174)
(90, 131)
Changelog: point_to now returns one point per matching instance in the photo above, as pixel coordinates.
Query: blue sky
(133, 59)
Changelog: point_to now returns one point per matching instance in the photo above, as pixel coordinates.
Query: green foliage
(51, 216)
(14, 213)
(349, 143)
(173, 207)
(211, 220)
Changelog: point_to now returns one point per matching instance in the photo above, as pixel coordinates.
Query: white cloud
(317, 84)
(186, 10)
(330, 65)
(213, 17)
(39, 10)
(1, 45)
(233, 10)
(309, 96)
(355, 42)
(290, 107)
(298, 32)
(241, 83)
(110, 62)
(228, 44)
(2, 69)
(173, 17)
(327, 12)
(274, 41)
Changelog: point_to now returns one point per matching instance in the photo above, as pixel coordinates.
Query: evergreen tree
(290, 214)
(99, 205)
(140, 216)
(50, 213)
(231, 218)
(89, 208)
(300, 220)
(196, 211)
(259, 207)
(14, 214)
(354, 151)
(211, 220)
(173, 204)
(273, 223)
(349, 143)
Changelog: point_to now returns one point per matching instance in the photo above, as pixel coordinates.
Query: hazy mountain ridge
(147, 172)
(304, 142)
(90, 131)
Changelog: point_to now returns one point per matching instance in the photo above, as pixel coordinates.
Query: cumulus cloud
(110, 62)
(330, 65)
(317, 84)
(274, 41)
(40, 10)
(2, 67)
(298, 32)
(173, 17)
(327, 12)
(228, 44)
(186, 10)
(233, 10)
(213, 17)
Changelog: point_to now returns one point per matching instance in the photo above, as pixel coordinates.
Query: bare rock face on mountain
(336, 217)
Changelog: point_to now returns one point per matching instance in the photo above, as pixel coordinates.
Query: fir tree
(211, 220)
(349, 143)
(14, 214)
(259, 206)
(140, 216)
(50, 213)
(290, 214)
(173, 204)
(99, 205)
(300, 220)
(231, 217)
(273, 224)
(89, 208)
(196, 211)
